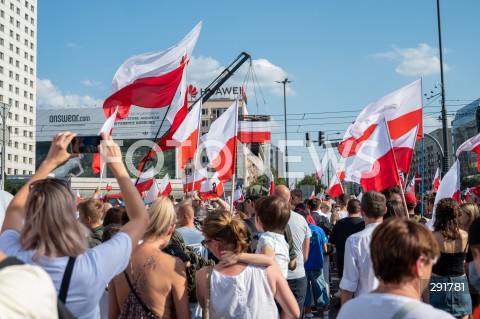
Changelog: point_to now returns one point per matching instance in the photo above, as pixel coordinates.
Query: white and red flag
(402, 109)
(220, 143)
(193, 182)
(211, 188)
(79, 199)
(187, 134)
(312, 195)
(108, 187)
(404, 147)
(165, 186)
(410, 186)
(238, 195)
(374, 167)
(107, 127)
(145, 181)
(335, 188)
(271, 182)
(471, 145)
(150, 80)
(152, 193)
(318, 175)
(436, 180)
(254, 132)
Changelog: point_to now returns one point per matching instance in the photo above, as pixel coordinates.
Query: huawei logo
(192, 91)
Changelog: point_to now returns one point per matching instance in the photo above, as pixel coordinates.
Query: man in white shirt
(358, 276)
(342, 201)
(403, 253)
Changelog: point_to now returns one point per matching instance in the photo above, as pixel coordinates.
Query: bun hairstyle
(447, 213)
(227, 229)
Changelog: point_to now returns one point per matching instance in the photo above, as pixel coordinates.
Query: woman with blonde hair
(154, 284)
(449, 270)
(41, 228)
(469, 213)
(239, 290)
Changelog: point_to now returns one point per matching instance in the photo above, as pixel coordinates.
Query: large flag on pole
(150, 80)
(187, 134)
(107, 127)
(404, 147)
(471, 145)
(335, 188)
(253, 132)
(165, 186)
(374, 167)
(220, 143)
(193, 182)
(271, 182)
(152, 193)
(211, 188)
(436, 180)
(145, 181)
(402, 110)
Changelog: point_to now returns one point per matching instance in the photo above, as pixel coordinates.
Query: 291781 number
(447, 286)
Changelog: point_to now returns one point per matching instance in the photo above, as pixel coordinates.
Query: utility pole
(446, 158)
(286, 139)
(5, 109)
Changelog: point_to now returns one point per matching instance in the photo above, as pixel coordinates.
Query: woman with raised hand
(154, 285)
(41, 228)
(239, 290)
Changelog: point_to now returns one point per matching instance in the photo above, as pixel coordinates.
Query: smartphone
(85, 144)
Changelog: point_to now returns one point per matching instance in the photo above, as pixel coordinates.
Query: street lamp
(286, 139)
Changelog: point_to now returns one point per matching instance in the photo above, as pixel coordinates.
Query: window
(31, 121)
(29, 160)
(31, 109)
(25, 146)
(26, 42)
(32, 46)
(1, 56)
(32, 21)
(17, 50)
(12, 20)
(17, 90)
(31, 83)
(15, 158)
(31, 71)
(25, 120)
(9, 157)
(9, 171)
(26, 30)
(18, 24)
(17, 77)
(16, 103)
(30, 147)
(16, 130)
(10, 60)
(11, 47)
(25, 81)
(2, 28)
(17, 63)
(18, 37)
(2, 14)
(24, 160)
(32, 58)
(25, 55)
(16, 117)
(31, 96)
(31, 135)
(204, 123)
(10, 88)
(11, 33)
(26, 16)
(25, 107)
(204, 111)
(15, 171)
(1, 84)
(32, 33)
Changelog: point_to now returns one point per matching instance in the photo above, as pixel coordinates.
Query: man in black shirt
(345, 227)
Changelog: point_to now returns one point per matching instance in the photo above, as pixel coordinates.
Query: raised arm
(266, 258)
(57, 154)
(136, 211)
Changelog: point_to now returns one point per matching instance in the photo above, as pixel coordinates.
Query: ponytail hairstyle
(230, 231)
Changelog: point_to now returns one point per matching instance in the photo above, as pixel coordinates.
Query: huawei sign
(192, 91)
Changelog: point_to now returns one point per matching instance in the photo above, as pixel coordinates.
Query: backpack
(63, 312)
(325, 225)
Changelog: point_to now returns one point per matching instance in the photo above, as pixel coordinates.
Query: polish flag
(410, 186)
(79, 199)
(449, 188)
(107, 127)
(108, 187)
(193, 182)
(211, 188)
(271, 183)
(253, 132)
(471, 145)
(187, 134)
(220, 143)
(165, 186)
(152, 193)
(238, 195)
(318, 175)
(404, 147)
(402, 109)
(335, 188)
(312, 195)
(145, 181)
(150, 80)
(437, 179)
(374, 166)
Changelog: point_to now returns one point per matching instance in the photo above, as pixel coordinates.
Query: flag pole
(234, 157)
(396, 168)
(195, 157)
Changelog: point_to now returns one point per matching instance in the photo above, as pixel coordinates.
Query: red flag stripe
(225, 161)
(254, 137)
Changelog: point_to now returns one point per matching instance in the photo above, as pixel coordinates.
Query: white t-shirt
(380, 306)
(92, 270)
(300, 233)
(279, 246)
(342, 214)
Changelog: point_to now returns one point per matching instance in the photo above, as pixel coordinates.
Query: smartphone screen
(85, 144)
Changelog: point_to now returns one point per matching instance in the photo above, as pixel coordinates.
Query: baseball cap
(474, 232)
(410, 197)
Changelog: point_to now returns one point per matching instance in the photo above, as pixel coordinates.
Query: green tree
(467, 182)
(263, 179)
(310, 180)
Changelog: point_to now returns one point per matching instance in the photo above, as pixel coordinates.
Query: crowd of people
(270, 256)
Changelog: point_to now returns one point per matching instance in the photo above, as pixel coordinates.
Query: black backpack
(63, 312)
(325, 225)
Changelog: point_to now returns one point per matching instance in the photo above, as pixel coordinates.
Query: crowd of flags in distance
(384, 133)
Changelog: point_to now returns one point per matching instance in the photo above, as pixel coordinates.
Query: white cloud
(91, 83)
(48, 95)
(422, 60)
(72, 45)
(203, 70)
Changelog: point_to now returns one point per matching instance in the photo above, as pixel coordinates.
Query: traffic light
(307, 138)
(320, 138)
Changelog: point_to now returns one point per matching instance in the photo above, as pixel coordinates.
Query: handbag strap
(206, 310)
(10, 261)
(62, 296)
(140, 301)
(405, 309)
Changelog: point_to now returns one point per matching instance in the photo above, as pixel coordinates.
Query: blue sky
(340, 55)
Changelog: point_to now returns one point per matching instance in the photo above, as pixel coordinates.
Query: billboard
(142, 123)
